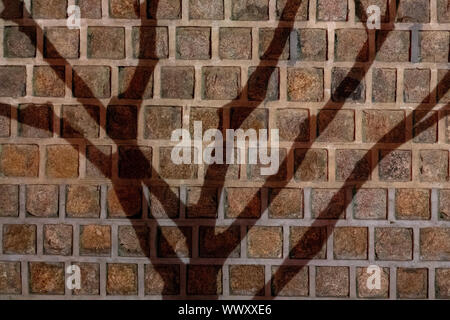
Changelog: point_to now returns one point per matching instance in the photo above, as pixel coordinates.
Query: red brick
(170, 170)
(95, 240)
(124, 9)
(285, 203)
(10, 278)
(174, 242)
(350, 243)
(305, 84)
(249, 10)
(351, 45)
(221, 83)
(90, 9)
(336, 126)
(121, 122)
(392, 45)
(219, 242)
(393, 244)
(307, 242)
(49, 9)
(58, 239)
(90, 279)
(19, 239)
(98, 162)
(193, 43)
(177, 82)
(247, 280)
(332, 10)
(243, 203)
(290, 281)
(412, 204)
(122, 279)
(19, 160)
(290, 10)
(9, 200)
(82, 201)
(164, 202)
(328, 203)
(384, 84)
(206, 9)
(61, 42)
(164, 9)
(353, 165)
(133, 241)
(434, 46)
(442, 283)
(80, 121)
(413, 11)
(274, 43)
(42, 200)
(386, 126)
(362, 5)
(19, 42)
(202, 202)
(412, 283)
(162, 279)
(135, 162)
(161, 121)
(348, 85)
(370, 204)
(394, 165)
(433, 165)
(416, 85)
(435, 244)
(35, 121)
(46, 278)
(62, 161)
(425, 126)
(264, 242)
(13, 81)
(91, 81)
(5, 120)
(150, 42)
(444, 204)
(106, 43)
(254, 170)
(235, 43)
(361, 284)
(136, 83)
(332, 281)
(124, 201)
(204, 280)
(312, 44)
(311, 165)
(293, 124)
(263, 83)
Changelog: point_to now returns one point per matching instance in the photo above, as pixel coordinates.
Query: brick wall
(86, 177)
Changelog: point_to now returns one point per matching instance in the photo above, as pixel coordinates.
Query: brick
(263, 83)
(384, 84)
(106, 43)
(235, 43)
(12, 81)
(121, 122)
(293, 124)
(174, 242)
(444, 204)
(160, 122)
(219, 242)
(90, 9)
(264, 242)
(392, 45)
(274, 43)
(11, 9)
(91, 81)
(61, 42)
(164, 202)
(10, 278)
(19, 42)
(90, 279)
(162, 279)
(332, 281)
(58, 239)
(211, 118)
(49, 9)
(19, 160)
(331, 10)
(193, 43)
(249, 118)
(383, 126)
(243, 203)
(348, 85)
(19, 239)
(394, 165)
(80, 121)
(9, 200)
(95, 240)
(285, 203)
(434, 46)
(433, 165)
(412, 283)
(435, 244)
(206, 10)
(249, 10)
(122, 279)
(442, 283)
(35, 120)
(351, 45)
(413, 11)
(311, 165)
(134, 241)
(204, 280)
(202, 202)
(305, 84)
(336, 125)
(443, 91)
(412, 204)
(170, 170)
(370, 204)
(42, 200)
(221, 83)
(82, 201)
(124, 9)
(62, 161)
(425, 126)
(49, 81)
(177, 82)
(98, 162)
(254, 170)
(443, 11)
(290, 281)
(307, 243)
(46, 278)
(353, 165)
(350, 243)
(393, 244)
(362, 5)
(292, 10)
(124, 201)
(362, 276)
(164, 9)
(5, 120)
(150, 42)
(247, 280)
(312, 44)
(416, 85)
(328, 203)
(135, 83)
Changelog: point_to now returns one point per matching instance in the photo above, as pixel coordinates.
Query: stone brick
(249, 10)
(82, 201)
(19, 42)
(264, 242)
(263, 83)
(249, 118)
(243, 203)
(202, 202)
(444, 204)
(307, 243)
(150, 42)
(5, 120)
(332, 281)
(162, 279)
(177, 82)
(49, 81)
(293, 124)
(412, 204)
(384, 84)
(332, 10)
(206, 9)
(164, 202)
(370, 204)
(11, 9)
(285, 203)
(434, 46)
(90, 9)
(42, 200)
(254, 171)
(328, 203)
(311, 165)
(170, 170)
(425, 126)
(353, 165)
(219, 242)
(362, 276)
(106, 43)
(62, 161)
(12, 81)
(124, 201)
(193, 43)
(443, 91)
(292, 10)
(10, 278)
(204, 280)
(98, 162)
(95, 240)
(392, 45)
(211, 118)
(336, 125)
(9, 200)
(312, 44)
(122, 279)
(235, 43)
(221, 83)
(348, 85)
(19, 239)
(442, 283)
(46, 278)
(219, 172)
(174, 242)
(416, 85)
(49, 9)
(124, 9)
(394, 165)
(383, 126)
(393, 244)
(247, 280)
(443, 11)
(164, 9)
(19, 160)
(412, 283)
(58, 239)
(351, 45)
(413, 11)
(134, 241)
(274, 43)
(91, 81)
(350, 243)
(61, 42)
(435, 244)
(160, 122)
(136, 83)
(362, 5)
(90, 279)
(433, 165)
(121, 122)
(80, 121)
(305, 84)
(290, 281)
(35, 121)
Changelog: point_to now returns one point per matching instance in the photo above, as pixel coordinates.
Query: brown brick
(170, 170)
(274, 43)
(247, 280)
(49, 9)
(243, 203)
(202, 202)
(351, 45)
(443, 10)
(91, 81)
(9, 200)
(10, 278)
(42, 200)
(393, 244)
(254, 171)
(285, 203)
(90, 9)
(80, 121)
(193, 43)
(264, 242)
(412, 283)
(150, 42)
(348, 85)
(161, 121)
(443, 91)
(413, 11)
(383, 126)
(124, 201)
(384, 84)
(263, 83)
(219, 172)
(444, 204)
(19, 239)
(249, 10)
(204, 280)
(293, 124)
(19, 42)
(362, 5)
(434, 46)
(433, 165)
(311, 165)
(235, 43)
(370, 204)
(332, 281)
(392, 45)
(435, 244)
(121, 122)
(134, 241)
(416, 85)
(312, 44)
(136, 83)
(106, 43)
(350, 243)
(219, 242)
(58, 239)
(62, 161)
(206, 9)
(19, 160)
(46, 278)
(328, 203)
(412, 204)
(177, 82)
(35, 121)
(124, 9)
(90, 279)
(61, 42)
(425, 126)
(95, 240)
(290, 10)
(248, 118)
(82, 201)
(98, 162)
(442, 283)
(332, 10)
(394, 165)
(122, 279)
(211, 118)
(164, 9)
(307, 242)
(13, 81)
(12, 9)
(164, 202)
(221, 83)
(135, 162)
(290, 281)
(336, 125)
(174, 242)
(162, 279)
(362, 275)
(5, 120)
(305, 84)
(353, 165)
